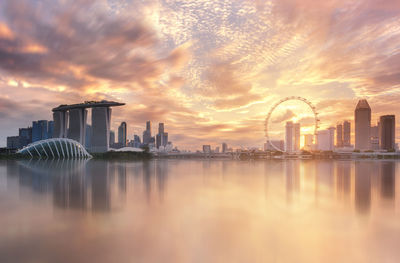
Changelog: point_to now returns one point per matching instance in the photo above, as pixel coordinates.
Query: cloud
(287, 115)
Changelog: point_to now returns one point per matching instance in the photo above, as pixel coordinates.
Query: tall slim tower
(387, 132)
(122, 134)
(77, 125)
(101, 118)
(362, 120)
(346, 133)
(296, 135)
(339, 135)
(289, 137)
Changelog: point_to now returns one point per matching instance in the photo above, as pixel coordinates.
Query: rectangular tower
(101, 118)
(60, 124)
(362, 119)
(289, 137)
(346, 134)
(387, 132)
(77, 125)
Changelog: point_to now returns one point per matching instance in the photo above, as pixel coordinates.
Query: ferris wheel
(308, 103)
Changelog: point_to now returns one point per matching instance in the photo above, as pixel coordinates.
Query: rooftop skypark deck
(88, 104)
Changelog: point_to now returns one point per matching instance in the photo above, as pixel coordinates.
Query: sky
(210, 70)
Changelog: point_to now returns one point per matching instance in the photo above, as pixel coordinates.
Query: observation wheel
(308, 103)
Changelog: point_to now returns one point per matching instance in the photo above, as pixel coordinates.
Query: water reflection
(193, 210)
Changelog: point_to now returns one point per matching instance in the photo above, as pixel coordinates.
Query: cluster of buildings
(224, 149)
(158, 142)
(70, 121)
(368, 137)
(40, 130)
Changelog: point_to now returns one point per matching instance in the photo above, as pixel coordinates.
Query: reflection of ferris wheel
(282, 101)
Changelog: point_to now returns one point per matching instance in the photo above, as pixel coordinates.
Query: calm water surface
(200, 211)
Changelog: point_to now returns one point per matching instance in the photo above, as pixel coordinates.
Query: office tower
(25, 136)
(122, 134)
(325, 139)
(147, 133)
(216, 149)
(289, 137)
(13, 142)
(296, 133)
(50, 129)
(206, 149)
(339, 135)
(387, 132)
(112, 138)
(77, 125)
(269, 145)
(346, 134)
(136, 141)
(224, 147)
(308, 142)
(39, 130)
(375, 137)
(362, 120)
(292, 137)
(101, 118)
(161, 137)
(88, 139)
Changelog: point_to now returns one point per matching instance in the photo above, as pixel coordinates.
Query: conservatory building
(56, 148)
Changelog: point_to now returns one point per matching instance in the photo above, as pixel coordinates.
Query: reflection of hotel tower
(292, 137)
(362, 119)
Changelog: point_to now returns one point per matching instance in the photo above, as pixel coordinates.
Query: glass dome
(56, 148)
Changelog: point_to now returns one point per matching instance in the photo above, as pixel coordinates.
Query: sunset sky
(210, 70)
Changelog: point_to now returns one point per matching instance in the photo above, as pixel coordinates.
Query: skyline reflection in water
(199, 210)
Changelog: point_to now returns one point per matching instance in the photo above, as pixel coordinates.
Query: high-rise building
(289, 137)
(39, 130)
(309, 142)
(112, 138)
(325, 139)
(296, 133)
(147, 133)
(13, 142)
(50, 129)
(346, 134)
(136, 141)
(339, 135)
(25, 136)
(224, 147)
(77, 125)
(362, 120)
(101, 119)
(206, 149)
(375, 137)
(387, 132)
(122, 134)
(162, 136)
(292, 137)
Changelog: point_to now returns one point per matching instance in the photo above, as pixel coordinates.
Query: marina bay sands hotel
(70, 122)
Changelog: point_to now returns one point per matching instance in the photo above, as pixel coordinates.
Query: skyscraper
(289, 136)
(39, 130)
(346, 134)
(112, 138)
(339, 135)
(296, 133)
(122, 134)
(224, 147)
(308, 141)
(25, 136)
(147, 133)
(325, 139)
(101, 118)
(387, 132)
(50, 129)
(362, 120)
(375, 137)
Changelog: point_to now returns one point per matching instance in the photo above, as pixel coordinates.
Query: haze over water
(199, 211)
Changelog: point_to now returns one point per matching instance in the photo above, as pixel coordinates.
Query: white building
(292, 137)
(309, 142)
(326, 139)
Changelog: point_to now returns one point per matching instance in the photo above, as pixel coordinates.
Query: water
(200, 211)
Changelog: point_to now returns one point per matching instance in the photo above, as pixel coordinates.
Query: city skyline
(207, 77)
